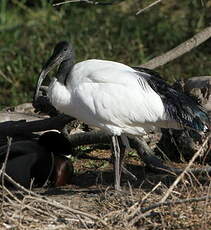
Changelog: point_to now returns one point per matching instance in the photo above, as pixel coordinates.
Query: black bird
(39, 160)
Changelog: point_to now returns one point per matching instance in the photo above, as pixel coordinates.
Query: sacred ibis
(118, 99)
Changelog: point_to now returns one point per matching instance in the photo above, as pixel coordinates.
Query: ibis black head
(63, 51)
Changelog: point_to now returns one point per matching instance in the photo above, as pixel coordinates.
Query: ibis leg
(120, 144)
(117, 168)
(126, 146)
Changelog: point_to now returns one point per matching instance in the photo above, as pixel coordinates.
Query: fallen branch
(181, 49)
(140, 145)
(16, 116)
(21, 128)
(99, 137)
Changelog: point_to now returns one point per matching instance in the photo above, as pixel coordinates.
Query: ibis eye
(65, 49)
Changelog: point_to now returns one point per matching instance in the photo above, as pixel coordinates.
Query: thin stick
(144, 212)
(134, 212)
(3, 168)
(11, 194)
(87, 1)
(149, 6)
(37, 197)
(185, 170)
(6, 78)
(18, 186)
(77, 212)
(205, 219)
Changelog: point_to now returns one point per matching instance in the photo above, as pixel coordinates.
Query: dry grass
(107, 209)
(154, 204)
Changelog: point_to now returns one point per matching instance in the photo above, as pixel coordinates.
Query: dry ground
(91, 202)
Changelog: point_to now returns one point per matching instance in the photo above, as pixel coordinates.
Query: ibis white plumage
(116, 98)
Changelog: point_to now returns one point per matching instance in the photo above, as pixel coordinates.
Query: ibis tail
(180, 107)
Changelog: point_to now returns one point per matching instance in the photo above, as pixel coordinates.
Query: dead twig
(36, 197)
(18, 186)
(6, 78)
(3, 168)
(132, 211)
(145, 212)
(140, 213)
(198, 153)
(148, 7)
(205, 219)
(74, 211)
(89, 2)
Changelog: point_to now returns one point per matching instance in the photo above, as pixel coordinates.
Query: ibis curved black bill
(62, 51)
(49, 65)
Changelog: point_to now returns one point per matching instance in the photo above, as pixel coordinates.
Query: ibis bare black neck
(64, 70)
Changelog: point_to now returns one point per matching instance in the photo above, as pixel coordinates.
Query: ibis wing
(122, 101)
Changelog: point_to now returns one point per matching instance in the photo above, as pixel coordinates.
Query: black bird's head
(63, 52)
(55, 142)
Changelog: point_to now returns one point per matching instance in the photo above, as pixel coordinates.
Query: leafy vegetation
(29, 31)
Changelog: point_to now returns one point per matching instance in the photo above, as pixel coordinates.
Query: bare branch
(16, 116)
(149, 6)
(16, 128)
(178, 51)
(140, 145)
